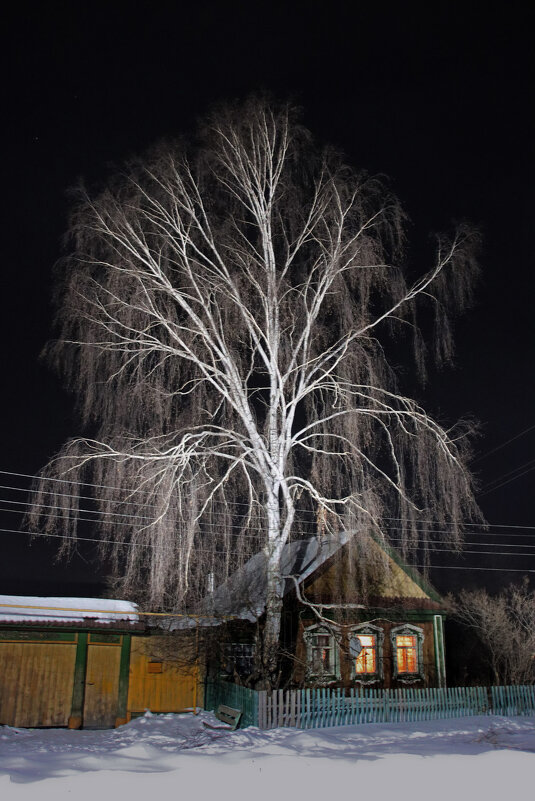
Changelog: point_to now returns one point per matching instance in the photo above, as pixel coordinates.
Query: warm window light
(406, 654)
(366, 662)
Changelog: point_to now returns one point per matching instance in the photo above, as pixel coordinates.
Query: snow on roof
(32, 609)
(243, 595)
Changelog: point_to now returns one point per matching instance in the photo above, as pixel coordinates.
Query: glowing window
(366, 662)
(406, 653)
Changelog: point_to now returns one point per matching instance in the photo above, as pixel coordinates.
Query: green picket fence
(513, 700)
(319, 708)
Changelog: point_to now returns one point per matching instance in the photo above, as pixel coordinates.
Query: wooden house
(85, 662)
(94, 663)
(346, 621)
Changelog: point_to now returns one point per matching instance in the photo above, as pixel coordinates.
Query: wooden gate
(101, 695)
(36, 678)
(160, 684)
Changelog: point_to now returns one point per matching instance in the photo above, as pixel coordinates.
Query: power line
(509, 473)
(460, 554)
(204, 524)
(85, 511)
(241, 534)
(214, 551)
(503, 444)
(454, 567)
(508, 481)
(499, 447)
(224, 504)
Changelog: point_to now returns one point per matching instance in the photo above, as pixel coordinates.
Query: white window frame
(320, 629)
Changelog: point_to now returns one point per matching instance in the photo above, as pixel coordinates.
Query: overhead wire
(452, 551)
(300, 533)
(514, 478)
(63, 513)
(391, 540)
(503, 444)
(221, 503)
(509, 473)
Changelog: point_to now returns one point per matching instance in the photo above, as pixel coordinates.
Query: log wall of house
(429, 666)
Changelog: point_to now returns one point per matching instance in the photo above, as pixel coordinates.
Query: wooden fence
(222, 692)
(319, 708)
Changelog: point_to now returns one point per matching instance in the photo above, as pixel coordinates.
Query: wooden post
(78, 690)
(124, 676)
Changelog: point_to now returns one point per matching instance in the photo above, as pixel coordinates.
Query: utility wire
(124, 544)
(224, 504)
(503, 444)
(509, 473)
(492, 489)
(416, 567)
(63, 513)
(302, 533)
(462, 567)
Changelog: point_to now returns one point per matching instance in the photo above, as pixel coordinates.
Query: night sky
(439, 99)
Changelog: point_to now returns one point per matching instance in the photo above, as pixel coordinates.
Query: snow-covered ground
(176, 757)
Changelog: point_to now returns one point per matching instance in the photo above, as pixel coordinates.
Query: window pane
(406, 654)
(321, 660)
(366, 661)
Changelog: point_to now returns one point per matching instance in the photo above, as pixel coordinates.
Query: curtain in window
(406, 653)
(366, 662)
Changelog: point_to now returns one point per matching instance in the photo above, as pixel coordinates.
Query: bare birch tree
(505, 626)
(223, 318)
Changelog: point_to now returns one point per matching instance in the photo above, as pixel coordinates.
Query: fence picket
(311, 708)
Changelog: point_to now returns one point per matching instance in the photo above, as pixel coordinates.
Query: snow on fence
(319, 708)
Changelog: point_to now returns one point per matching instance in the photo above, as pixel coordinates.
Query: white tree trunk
(221, 322)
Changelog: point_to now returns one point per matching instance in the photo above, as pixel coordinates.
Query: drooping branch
(223, 320)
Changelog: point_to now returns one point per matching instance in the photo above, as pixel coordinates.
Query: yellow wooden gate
(102, 681)
(36, 680)
(160, 685)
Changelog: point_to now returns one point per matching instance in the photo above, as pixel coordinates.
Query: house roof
(243, 595)
(33, 610)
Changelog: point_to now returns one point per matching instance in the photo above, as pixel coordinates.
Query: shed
(86, 662)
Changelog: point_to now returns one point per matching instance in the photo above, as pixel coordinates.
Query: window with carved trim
(407, 647)
(322, 653)
(366, 652)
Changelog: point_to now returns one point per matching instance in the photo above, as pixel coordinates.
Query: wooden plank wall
(160, 685)
(36, 683)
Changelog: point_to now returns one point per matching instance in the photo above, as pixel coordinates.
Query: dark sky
(439, 99)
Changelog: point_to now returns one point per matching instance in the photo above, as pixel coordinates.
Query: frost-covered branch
(223, 321)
